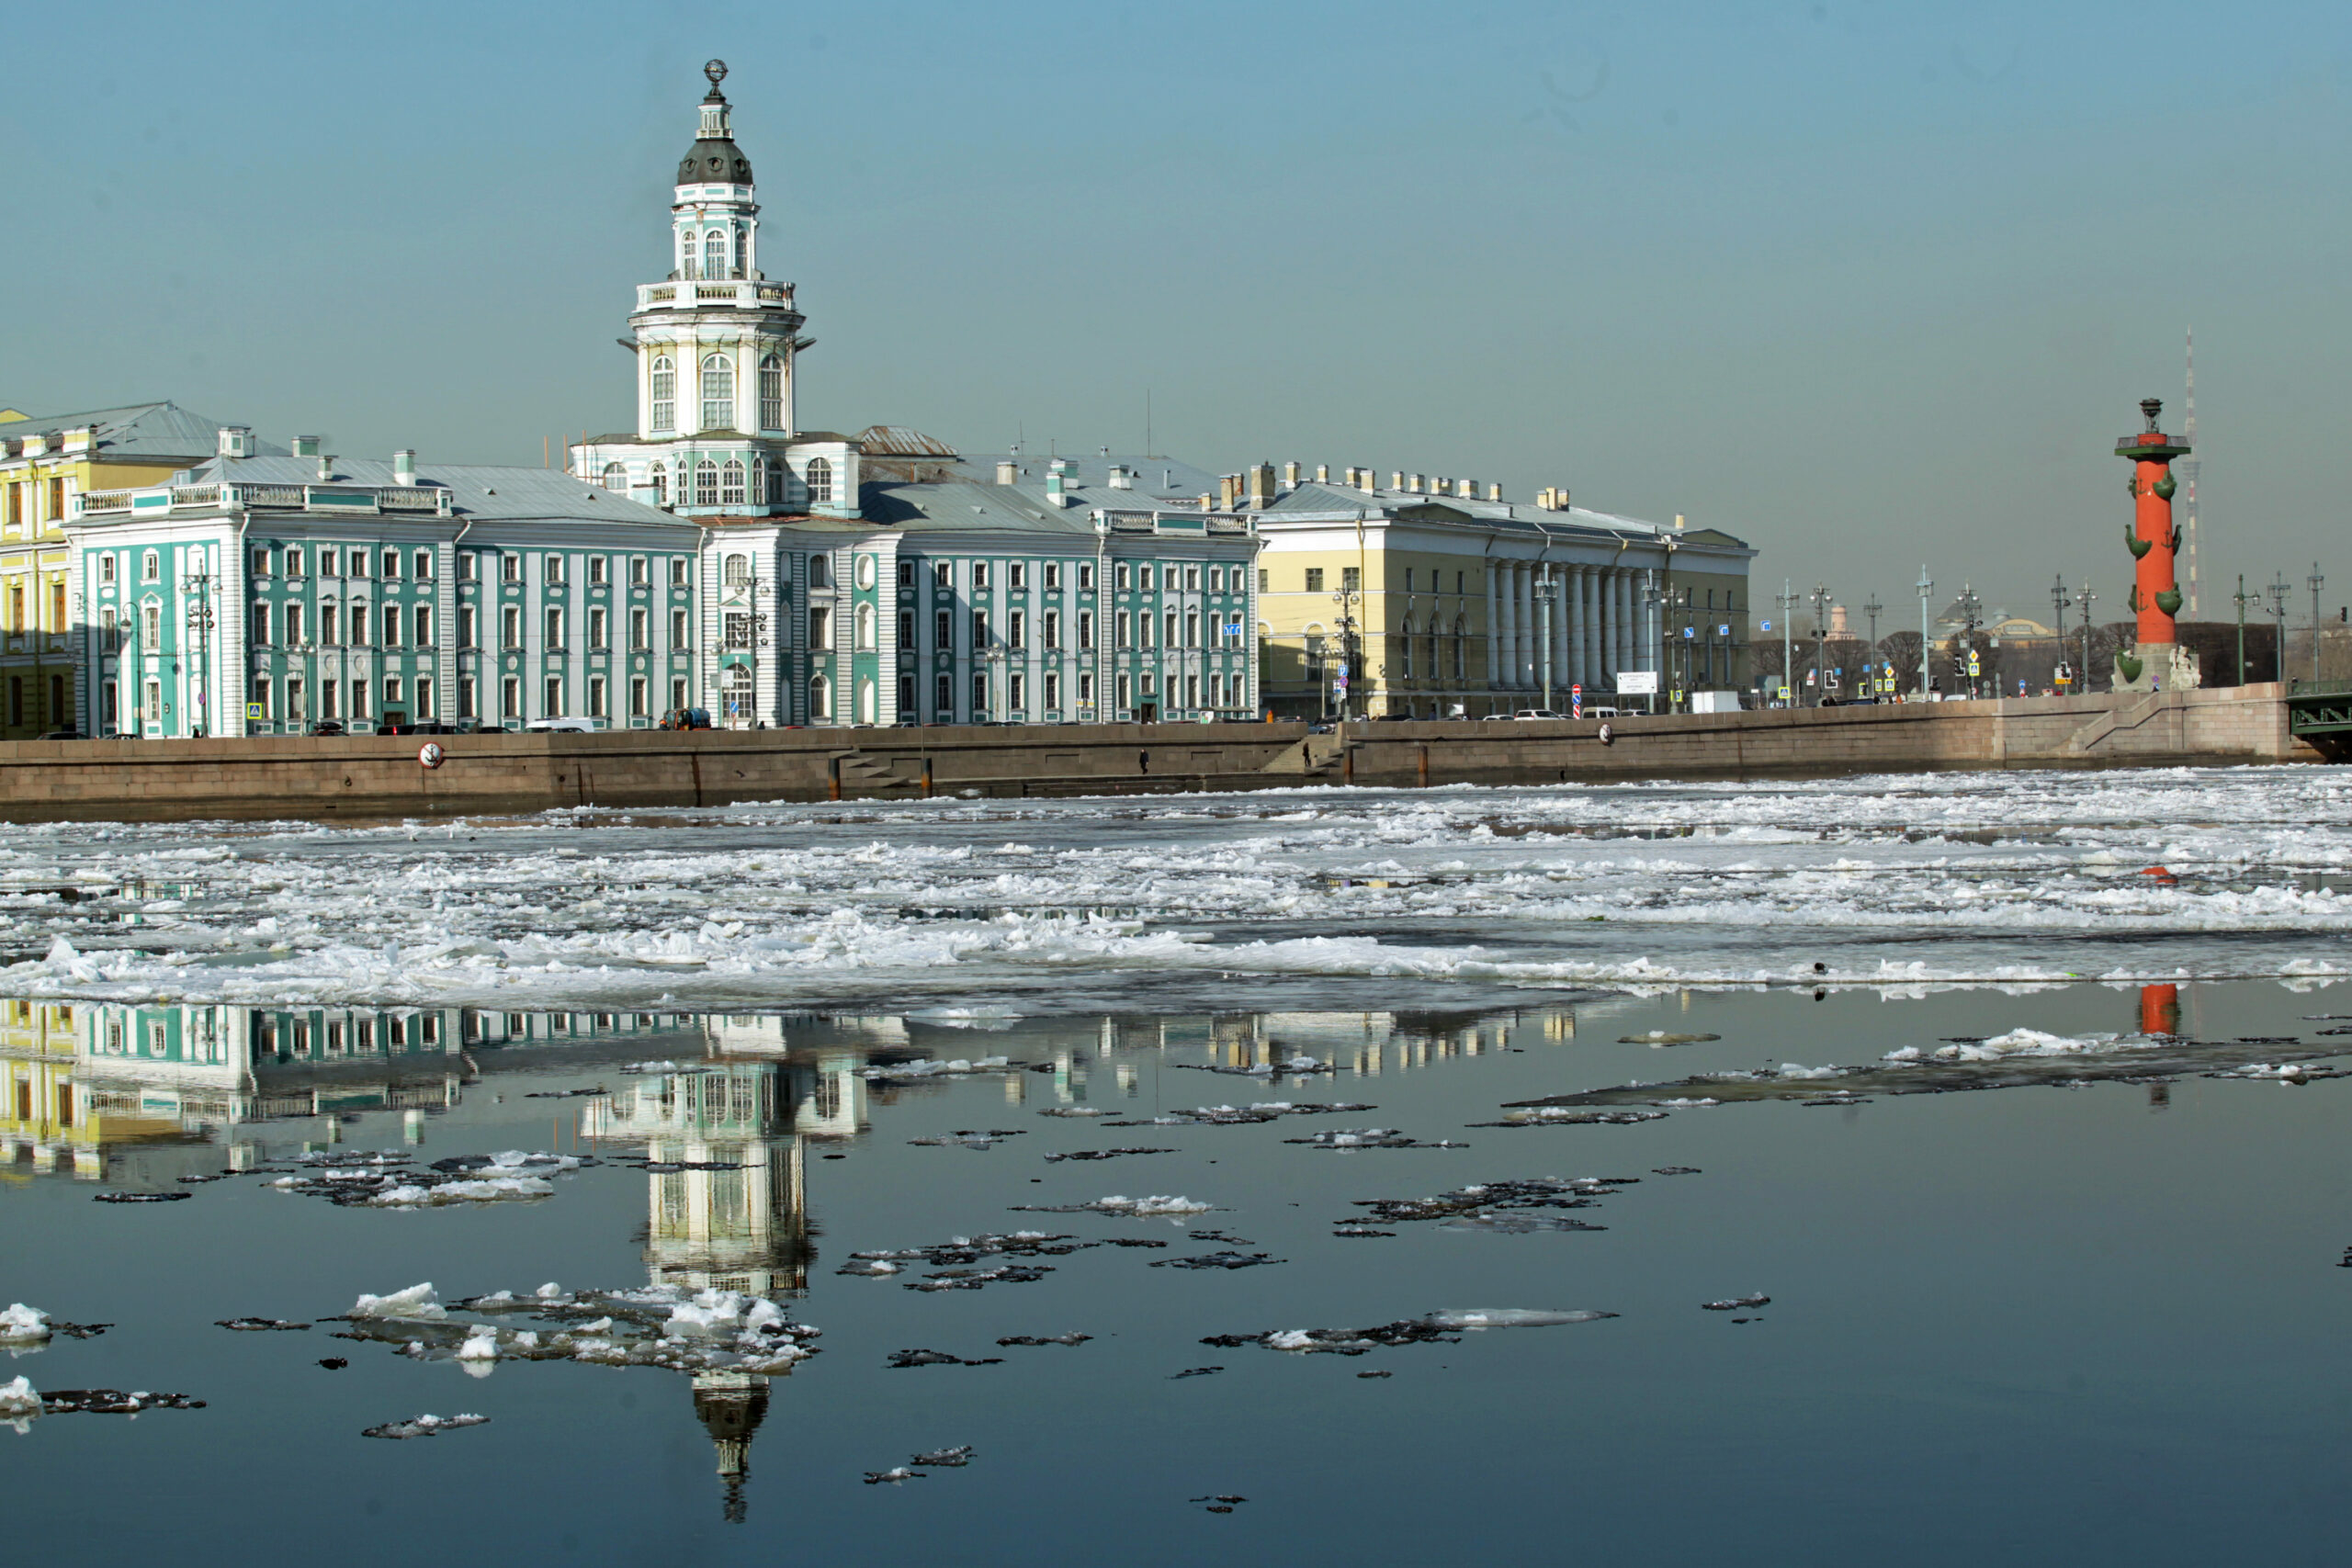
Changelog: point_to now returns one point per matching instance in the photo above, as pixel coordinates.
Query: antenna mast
(2188, 479)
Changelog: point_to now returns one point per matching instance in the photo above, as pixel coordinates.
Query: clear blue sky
(1864, 282)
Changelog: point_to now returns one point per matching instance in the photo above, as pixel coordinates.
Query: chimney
(1290, 475)
(1261, 485)
(1395, 479)
(326, 467)
(1494, 492)
(1122, 476)
(306, 446)
(1369, 481)
(1678, 522)
(1054, 496)
(1322, 473)
(404, 465)
(1467, 488)
(1008, 473)
(234, 441)
(1208, 502)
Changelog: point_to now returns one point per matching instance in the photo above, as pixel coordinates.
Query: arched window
(665, 393)
(739, 571)
(739, 694)
(820, 572)
(616, 476)
(731, 488)
(820, 697)
(820, 477)
(659, 480)
(686, 268)
(1461, 640)
(759, 491)
(865, 627)
(777, 486)
(718, 392)
(714, 253)
(743, 252)
(772, 393)
(706, 484)
(1406, 638)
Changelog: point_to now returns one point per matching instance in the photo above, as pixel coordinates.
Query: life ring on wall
(1608, 736)
(431, 754)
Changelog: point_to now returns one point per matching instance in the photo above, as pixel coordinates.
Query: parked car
(561, 726)
(326, 726)
(431, 726)
(1602, 713)
(1538, 712)
(686, 718)
(65, 735)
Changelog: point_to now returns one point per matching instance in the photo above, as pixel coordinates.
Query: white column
(1494, 623)
(1594, 649)
(1527, 629)
(1604, 627)
(1623, 584)
(1563, 634)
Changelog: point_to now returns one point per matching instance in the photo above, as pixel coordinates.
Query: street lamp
(200, 587)
(1820, 641)
(2277, 592)
(2317, 582)
(1345, 620)
(1788, 603)
(1547, 590)
(2085, 599)
(1927, 586)
(2244, 599)
(1969, 605)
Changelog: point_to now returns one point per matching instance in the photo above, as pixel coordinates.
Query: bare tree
(1902, 650)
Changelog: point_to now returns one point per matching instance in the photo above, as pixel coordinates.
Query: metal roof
(159, 431)
(483, 493)
(1317, 497)
(900, 441)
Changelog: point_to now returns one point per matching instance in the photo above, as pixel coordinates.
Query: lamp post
(1346, 621)
(1927, 586)
(2277, 592)
(199, 588)
(1969, 605)
(2244, 599)
(1546, 591)
(1788, 603)
(1820, 641)
(2085, 599)
(2317, 582)
(1654, 608)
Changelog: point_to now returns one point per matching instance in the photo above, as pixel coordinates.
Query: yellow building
(1433, 598)
(45, 461)
(46, 1117)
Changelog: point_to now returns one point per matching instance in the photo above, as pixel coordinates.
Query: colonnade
(1596, 627)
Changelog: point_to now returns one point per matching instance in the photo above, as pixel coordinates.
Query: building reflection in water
(725, 1142)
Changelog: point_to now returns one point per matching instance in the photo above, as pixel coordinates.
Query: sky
(1868, 285)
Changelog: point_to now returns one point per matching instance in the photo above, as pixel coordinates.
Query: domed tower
(716, 345)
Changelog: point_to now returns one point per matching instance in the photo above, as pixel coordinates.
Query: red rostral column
(2153, 542)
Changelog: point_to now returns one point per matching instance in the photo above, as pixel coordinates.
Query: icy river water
(1924, 1170)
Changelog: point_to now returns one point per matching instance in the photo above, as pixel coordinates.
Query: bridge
(2319, 713)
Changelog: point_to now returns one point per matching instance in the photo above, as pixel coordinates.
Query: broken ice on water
(1157, 1207)
(386, 1182)
(25, 1329)
(1437, 1328)
(652, 1326)
(423, 1425)
(1370, 1138)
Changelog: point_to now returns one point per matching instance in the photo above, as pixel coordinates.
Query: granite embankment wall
(379, 777)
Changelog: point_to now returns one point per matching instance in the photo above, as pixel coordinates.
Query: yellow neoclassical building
(1430, 598)
(45, 461)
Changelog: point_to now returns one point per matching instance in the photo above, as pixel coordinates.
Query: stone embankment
(362, 777)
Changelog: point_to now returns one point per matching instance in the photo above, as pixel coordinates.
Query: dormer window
(818, 477)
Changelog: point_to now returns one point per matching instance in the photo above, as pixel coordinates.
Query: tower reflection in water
(725, 1142)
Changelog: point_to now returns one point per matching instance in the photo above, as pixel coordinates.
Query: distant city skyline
(1863, 288)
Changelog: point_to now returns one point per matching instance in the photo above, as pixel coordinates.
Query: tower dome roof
(714, 159)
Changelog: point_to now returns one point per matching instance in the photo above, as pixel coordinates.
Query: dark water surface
(2042, 1325)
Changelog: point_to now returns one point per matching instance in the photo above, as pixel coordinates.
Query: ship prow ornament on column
(2158, 661)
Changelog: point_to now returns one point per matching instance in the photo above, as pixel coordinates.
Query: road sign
(1637, 682)
(1767, 625)
(1575, 700)
(252, 711)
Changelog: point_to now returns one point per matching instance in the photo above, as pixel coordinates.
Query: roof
(482, 492)
(1158, 482)
(900, 441)
(966, 506)
(1317, 497)
(160, 429)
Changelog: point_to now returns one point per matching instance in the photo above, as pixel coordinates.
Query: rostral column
(2159, 660)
